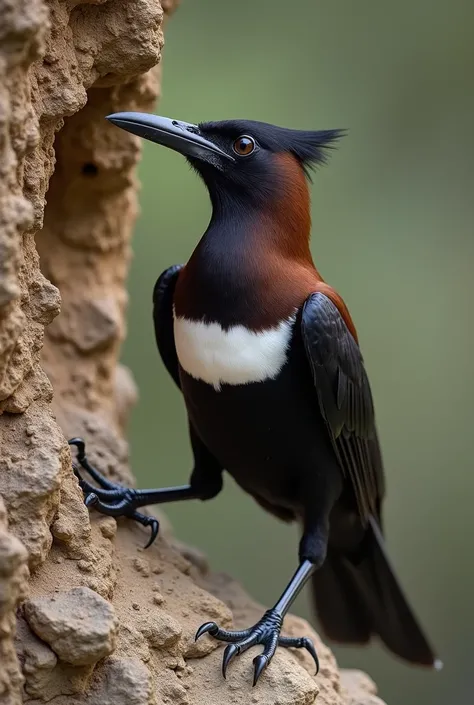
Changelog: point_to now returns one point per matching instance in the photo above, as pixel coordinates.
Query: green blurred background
(392, 230)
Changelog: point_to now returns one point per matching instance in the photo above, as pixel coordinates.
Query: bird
(267, 358)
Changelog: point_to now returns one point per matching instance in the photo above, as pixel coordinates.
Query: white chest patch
(234, 356)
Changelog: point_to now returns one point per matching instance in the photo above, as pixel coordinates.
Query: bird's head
(244, 160)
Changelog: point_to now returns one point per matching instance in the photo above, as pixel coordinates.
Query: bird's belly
(232, 356)
(265, 434)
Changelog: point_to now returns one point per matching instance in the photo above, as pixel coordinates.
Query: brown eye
(244, 146)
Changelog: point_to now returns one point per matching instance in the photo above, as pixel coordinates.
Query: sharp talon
(261, 662)
(80, 445)
(76, 441)
(91, 499)
(300, 643)
(155, 526)
(309, 646)
(208, 627)
(229, 653)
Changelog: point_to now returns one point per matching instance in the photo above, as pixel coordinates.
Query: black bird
(267, 358)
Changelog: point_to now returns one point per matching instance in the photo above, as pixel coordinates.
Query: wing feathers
(345, 398)
(163, 295)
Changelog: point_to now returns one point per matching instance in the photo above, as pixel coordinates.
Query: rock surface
(13, 585)
(97, 620)
(160, 598)
(79, 625)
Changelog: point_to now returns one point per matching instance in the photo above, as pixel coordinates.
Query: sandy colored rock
(79, 625)
(45, 676)
(13, 577)
(68, 203)
(161, 630)
(108, 527)
(38, 659)
(124, 681)
(283, 683)
(33, 461)
(155, 648)
(142, 566)
(61, 62)
(161, 637)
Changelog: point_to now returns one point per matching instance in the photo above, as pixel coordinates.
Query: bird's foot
(109, 498)
(266, 632)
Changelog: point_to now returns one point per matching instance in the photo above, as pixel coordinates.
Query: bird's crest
(310, 147)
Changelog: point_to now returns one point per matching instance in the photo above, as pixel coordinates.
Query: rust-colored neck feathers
(286, 219)
(285, 235)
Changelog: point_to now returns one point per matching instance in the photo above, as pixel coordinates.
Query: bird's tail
(358, 599)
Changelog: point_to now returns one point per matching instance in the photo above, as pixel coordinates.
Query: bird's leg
(312, 553)
(115, 500)
(267, 630)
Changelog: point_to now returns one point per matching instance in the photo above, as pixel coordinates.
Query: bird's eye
(244, 145)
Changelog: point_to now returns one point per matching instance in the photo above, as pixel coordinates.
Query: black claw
(300, 643)
(91, 499)
(229, 653)
(309, 646)
(80, 445)
(208, 627)
(155, 526)
(260, 662)
(146, 521)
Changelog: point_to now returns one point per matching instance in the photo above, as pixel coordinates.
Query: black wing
(163, 295)
(345, 399)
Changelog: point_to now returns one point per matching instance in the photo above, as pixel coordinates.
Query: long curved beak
(183, 137)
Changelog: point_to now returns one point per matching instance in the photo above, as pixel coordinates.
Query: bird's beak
(183, 137)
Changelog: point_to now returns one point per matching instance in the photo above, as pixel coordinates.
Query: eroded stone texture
(84, 248)
(59, 60)
(79, 625)
(156, 661)
(45, 676)
(103, 623)
(53, 55)
(124, 681)
(13, 577)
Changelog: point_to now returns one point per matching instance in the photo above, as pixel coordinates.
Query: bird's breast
(234, 355)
